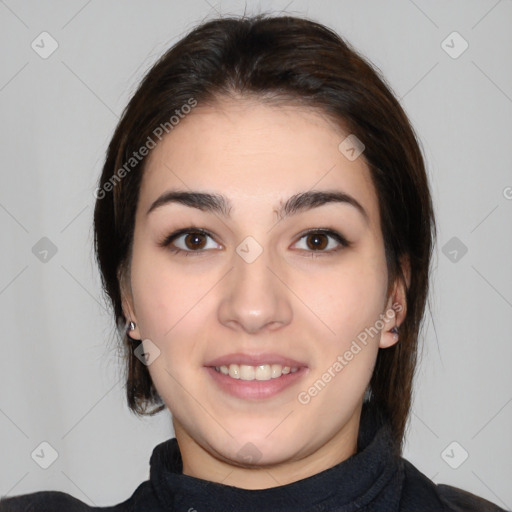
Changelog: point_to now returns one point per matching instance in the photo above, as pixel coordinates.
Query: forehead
(257, 154)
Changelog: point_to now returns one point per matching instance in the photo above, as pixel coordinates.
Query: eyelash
(167, 241)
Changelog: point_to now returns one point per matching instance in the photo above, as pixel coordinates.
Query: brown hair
(289, 60)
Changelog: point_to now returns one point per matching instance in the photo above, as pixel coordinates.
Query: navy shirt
(372, 480)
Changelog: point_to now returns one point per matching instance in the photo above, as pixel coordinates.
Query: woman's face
(258, 321)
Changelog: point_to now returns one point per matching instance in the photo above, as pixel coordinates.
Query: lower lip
(255, 389)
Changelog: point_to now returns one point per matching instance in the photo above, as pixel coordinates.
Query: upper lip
(254, 360)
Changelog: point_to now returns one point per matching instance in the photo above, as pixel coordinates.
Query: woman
(264, 230)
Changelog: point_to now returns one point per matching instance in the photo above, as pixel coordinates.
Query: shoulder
(142, 499)
(459, 500)
(43, 501)
(419, 492)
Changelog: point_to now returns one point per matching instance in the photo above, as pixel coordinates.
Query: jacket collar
(373, 475)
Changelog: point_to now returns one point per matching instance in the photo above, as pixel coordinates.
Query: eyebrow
(217, 203)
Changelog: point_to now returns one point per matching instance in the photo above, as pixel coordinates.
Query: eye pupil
(319, 241)
(195, 241)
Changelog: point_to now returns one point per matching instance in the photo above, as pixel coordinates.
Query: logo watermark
(137, 156)
(304, 397)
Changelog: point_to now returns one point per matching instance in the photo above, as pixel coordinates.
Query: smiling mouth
(259, 372)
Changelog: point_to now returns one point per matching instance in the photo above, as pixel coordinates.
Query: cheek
(347, 343)
(348, 300)
(171, 314)
(161, 296)
(349, 304)
(171, 309)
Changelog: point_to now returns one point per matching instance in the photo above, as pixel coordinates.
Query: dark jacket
(372, 480)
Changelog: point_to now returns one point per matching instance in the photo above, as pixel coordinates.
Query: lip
(255, 360)
(255, 389)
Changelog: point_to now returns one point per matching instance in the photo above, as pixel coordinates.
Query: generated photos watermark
(305, 397)
(137, 156)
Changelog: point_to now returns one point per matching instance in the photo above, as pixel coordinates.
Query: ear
(123, 276)
(396, 307)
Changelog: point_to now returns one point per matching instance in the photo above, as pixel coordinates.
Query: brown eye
(189, 241)
(317, 241)
(322, 241)
(195, 241)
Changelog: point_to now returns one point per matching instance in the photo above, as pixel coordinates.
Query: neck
(200, 463)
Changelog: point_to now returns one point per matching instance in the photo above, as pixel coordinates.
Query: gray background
(60, 376)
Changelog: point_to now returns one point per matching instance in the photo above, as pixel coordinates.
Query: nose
(255, 297)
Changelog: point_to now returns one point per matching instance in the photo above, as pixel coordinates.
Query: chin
(252, 449)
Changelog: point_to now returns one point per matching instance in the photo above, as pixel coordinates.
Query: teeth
(247, 372)
(261, 372)
(234, 371)
(276, 370)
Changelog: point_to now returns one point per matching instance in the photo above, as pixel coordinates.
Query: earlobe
(389, 334)
(389, 337)
(131, 328)
(396, 310)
